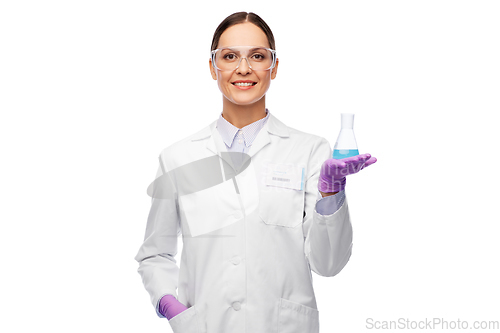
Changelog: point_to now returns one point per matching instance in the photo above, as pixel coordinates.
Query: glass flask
(346, 146)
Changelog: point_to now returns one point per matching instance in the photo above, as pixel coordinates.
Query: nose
(243, 67)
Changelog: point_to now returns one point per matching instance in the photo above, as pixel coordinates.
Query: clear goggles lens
(230, 58)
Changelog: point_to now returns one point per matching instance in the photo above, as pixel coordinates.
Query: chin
(246, 101)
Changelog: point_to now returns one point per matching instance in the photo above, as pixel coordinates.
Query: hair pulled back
(242, 17)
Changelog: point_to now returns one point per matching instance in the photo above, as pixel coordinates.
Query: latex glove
(170, 306)
(333, 171)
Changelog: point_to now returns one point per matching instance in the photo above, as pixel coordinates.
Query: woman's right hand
(170, 306)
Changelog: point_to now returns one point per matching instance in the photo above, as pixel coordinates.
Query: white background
(92, 91)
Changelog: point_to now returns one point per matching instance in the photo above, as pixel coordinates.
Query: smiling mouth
(244, 84)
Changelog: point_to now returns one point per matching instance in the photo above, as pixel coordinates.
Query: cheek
(223, 84)
(223, 80)
(265, 79)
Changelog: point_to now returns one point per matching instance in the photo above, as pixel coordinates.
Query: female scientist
(259, 205)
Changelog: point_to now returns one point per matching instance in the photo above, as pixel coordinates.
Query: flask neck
(347, 120)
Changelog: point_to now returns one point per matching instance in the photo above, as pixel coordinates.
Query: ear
(275, 69)
(212, 70)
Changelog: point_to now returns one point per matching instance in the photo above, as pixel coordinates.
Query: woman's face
(243, 34)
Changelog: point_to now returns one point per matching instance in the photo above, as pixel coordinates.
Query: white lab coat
(247, 257)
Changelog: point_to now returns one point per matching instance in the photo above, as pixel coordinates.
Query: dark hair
(242, 17)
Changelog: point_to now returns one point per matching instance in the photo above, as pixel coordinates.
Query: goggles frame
(213, 53)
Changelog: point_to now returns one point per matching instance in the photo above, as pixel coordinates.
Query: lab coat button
(237, 306)
(236, 260)
(238, 215)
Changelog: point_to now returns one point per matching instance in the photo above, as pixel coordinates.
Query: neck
(243, 115)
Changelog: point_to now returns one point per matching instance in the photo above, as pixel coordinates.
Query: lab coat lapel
(261, 140)
(272, 126)
(216, 145)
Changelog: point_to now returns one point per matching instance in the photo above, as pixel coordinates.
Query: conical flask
(346, 142)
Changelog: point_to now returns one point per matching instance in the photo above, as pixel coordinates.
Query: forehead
(243, 34)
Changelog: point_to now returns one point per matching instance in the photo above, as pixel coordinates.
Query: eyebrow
(252, 49)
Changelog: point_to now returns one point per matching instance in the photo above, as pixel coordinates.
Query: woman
(259, 205)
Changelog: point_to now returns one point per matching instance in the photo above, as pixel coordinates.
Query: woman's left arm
(328, 238)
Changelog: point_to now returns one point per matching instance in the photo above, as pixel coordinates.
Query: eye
(258, 56)
(229, 56)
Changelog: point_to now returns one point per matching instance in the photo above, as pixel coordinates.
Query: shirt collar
(228, 131)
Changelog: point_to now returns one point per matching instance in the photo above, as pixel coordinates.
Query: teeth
(243, 84)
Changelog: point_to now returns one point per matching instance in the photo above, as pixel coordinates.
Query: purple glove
(333, 171)
(170, 306)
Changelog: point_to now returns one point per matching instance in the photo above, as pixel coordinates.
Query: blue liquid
(343, 153)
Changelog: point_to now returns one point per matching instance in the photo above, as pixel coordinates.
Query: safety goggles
(229, 58)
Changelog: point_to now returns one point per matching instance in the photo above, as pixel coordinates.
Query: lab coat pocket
(281, 206)
(187, 321)
(295, 317)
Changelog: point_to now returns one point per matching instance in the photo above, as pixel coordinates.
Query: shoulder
(293, 134)
(318, 147)
(306, 138)
(173, 153)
